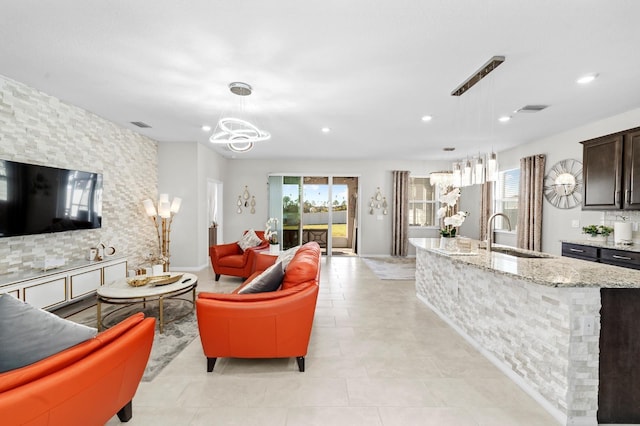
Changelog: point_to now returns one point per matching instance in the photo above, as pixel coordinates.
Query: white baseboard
(381, 255)
(189, 268)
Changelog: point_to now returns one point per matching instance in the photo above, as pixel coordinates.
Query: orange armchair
(83, 385)
(229, 259)
(274, 324)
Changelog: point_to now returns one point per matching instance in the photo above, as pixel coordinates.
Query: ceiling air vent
(532, 108)
(141, 124)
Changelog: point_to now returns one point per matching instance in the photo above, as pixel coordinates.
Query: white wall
(183, 170)
(470, 200)
(211, 166)
(556, 223)
(375, 230)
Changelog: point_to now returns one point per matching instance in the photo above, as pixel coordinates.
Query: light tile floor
(377, 356)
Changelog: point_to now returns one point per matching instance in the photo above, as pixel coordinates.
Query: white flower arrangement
(271, 230)
(451, 220)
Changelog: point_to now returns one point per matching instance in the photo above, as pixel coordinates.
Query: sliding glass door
(291, 211)
(316, 208)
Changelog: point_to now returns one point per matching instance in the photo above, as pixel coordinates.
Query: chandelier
(476, 170)
(483, 168)
(443, 178)
(239, 135)
(467, 172)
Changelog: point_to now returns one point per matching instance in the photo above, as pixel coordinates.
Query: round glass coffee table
(121, 293)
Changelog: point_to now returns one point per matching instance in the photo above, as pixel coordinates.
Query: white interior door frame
(215, 205)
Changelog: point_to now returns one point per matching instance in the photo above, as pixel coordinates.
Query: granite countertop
(552, 271)
(608, 245)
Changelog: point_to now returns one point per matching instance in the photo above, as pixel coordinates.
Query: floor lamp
(162, 218)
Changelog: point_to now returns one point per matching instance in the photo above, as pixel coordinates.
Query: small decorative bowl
(138, 281)
(164, 279)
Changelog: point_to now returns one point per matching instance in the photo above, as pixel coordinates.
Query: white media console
(58, 287)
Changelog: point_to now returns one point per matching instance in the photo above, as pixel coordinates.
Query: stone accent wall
(40, 129)
(531, 329)
(584, 354)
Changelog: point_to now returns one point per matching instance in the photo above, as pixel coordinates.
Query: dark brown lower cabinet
(616, 257)
(626, 259)
(580, 251)
(619, 388)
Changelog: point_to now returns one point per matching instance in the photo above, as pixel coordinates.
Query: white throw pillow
(286, 256)
(249, 239)
(29, 334)
(269, 280)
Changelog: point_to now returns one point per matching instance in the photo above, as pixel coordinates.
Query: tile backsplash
(633, 216)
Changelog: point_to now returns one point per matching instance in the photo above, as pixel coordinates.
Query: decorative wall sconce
(377, 202)
(247, 201)
(165, 213)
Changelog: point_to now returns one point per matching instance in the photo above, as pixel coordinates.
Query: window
(422, 202)
(507, 188)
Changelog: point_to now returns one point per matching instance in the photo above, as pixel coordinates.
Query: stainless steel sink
(517, 253)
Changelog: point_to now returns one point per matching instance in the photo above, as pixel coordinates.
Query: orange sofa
(229, 259)
(83, 385)
(274, 324)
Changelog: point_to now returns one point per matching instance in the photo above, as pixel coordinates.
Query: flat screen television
(39, 199)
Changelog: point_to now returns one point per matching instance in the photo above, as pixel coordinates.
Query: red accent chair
(229, 259)
(274, 324)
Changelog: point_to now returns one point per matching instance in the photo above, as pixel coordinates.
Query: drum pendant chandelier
(239, 135)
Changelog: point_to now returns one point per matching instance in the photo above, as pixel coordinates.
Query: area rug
(166, 346)
(392, 268)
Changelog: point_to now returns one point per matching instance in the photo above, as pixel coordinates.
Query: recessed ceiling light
(586, 79)
(504, 119)
(325, 130)
(206, 128)
(427, 118)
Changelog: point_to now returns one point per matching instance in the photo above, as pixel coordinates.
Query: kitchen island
(537, 319)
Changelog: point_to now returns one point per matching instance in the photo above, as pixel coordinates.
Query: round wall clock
(563, 184)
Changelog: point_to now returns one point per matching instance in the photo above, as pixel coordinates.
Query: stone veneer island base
(538, 319)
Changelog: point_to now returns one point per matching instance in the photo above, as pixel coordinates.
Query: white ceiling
(368, 69)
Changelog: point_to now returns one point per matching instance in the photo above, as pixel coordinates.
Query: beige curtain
(486, 208)
(530, 202)
(399, 214)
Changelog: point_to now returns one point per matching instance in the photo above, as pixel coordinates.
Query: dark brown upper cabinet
(611, 170)
(631, 170)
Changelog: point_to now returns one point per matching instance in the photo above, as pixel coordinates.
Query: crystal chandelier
(442, 179)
